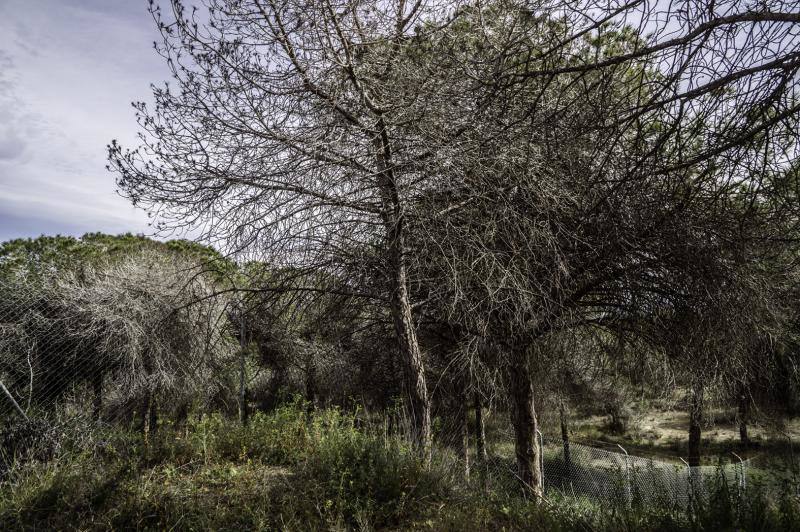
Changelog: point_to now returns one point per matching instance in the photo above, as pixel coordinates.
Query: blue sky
(68, 72)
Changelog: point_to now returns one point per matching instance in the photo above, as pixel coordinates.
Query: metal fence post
(541, 456)
(741, 485)
(627, 475)
(13, 401)
(690, 478)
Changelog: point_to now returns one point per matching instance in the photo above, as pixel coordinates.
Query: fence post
(742, 484)
(14, 401)
(242, 347)
(690, 478)
(541, 456)
(627, 475)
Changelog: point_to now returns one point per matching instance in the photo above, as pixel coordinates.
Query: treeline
(126, 329)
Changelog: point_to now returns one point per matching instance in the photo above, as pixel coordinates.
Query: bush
(23, 440)
(366, 475)
(289, 470)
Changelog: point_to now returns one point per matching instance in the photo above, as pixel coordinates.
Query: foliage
(131, 328)
(37, 259)
(293, 471)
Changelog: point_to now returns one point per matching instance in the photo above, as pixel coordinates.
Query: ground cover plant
(291, 470)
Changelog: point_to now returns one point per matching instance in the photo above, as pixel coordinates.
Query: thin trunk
(743, 415)
(153, 421)
(243, 413)
(523, 417)
(482, 456)
(311, 386)
(463, 425)
(564, 433)
(413, 366)
(149, 415)
(695, 420)
(480, 430)
(148, 410)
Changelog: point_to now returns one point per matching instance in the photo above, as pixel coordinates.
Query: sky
(69, 70)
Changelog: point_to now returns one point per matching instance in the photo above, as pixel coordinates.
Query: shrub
(289, 470)
(366, 475)
(22, 440)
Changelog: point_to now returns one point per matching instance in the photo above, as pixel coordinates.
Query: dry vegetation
(457, 222)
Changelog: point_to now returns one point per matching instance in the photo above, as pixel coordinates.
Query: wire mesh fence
(584, 470)
(110, 350)
(110, 347)
(606, 472)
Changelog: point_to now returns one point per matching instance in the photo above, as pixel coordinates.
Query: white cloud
(68, 72)
(11, 145)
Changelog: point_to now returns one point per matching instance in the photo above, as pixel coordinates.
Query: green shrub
(365, 475)
(288, 470)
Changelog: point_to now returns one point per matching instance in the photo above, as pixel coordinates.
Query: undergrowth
(288, 470)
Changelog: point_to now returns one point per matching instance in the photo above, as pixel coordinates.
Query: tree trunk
(742, 418)
(311, 385)
(413, 366)
(153, 418)
(418, 401)
(695, 420)
(564, 434)
(182, 414)
(463, 425)
(482, 456)
(149, 418)
(523, 417)
(480, 430)
(243, 412)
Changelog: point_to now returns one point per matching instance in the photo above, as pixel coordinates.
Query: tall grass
(288, 470)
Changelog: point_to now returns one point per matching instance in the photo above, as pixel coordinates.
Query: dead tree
(284, 137)
(549, 167)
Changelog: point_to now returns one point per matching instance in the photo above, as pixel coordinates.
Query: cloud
(13, 132)
(68, 72)
(11, 145)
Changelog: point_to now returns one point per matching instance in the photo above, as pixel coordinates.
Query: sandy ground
(665, 434)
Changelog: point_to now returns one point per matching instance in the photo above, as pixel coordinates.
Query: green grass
(290, 471)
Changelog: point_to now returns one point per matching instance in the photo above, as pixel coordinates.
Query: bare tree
(556, 165)
(132, 332)
(284, 136)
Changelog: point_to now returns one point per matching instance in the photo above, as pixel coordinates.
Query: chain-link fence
(128, 344)
(605, 471)
(585, 470)
(116, 345)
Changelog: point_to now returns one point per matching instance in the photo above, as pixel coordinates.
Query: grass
(288, 470)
